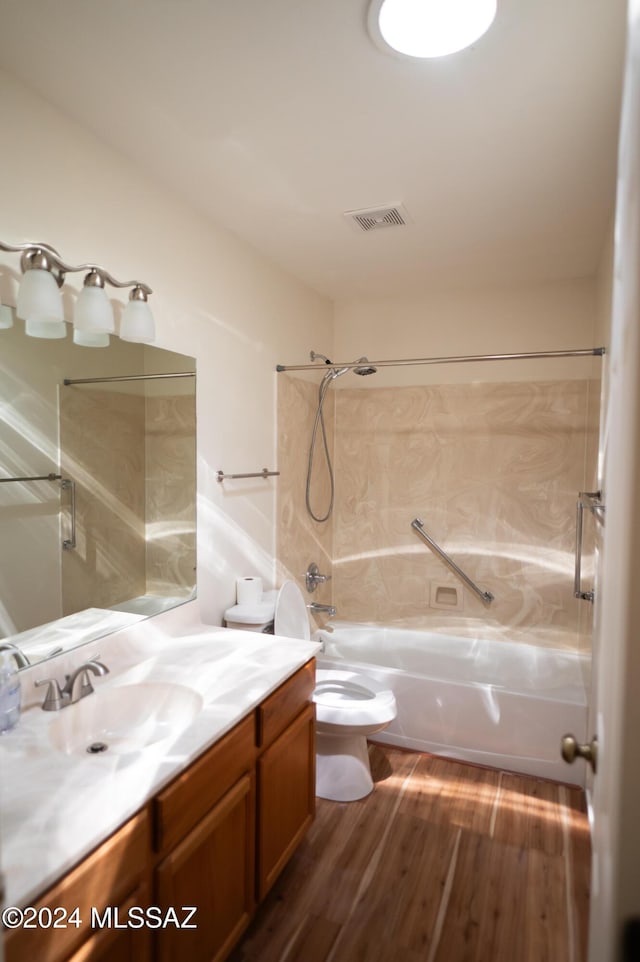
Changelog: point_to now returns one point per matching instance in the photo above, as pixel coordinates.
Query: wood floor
(443, 862)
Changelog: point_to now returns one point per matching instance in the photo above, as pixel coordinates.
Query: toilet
(349, 708)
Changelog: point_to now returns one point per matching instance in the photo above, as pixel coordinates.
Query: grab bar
(485, 596)
(68, 484)
(591, 500)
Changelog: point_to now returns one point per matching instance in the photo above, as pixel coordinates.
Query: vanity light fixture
(39, 301)
(429, 28)
(6, 317)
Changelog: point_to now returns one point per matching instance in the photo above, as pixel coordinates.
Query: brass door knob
(572, 749)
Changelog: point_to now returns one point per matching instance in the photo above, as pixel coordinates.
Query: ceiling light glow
(431, 28)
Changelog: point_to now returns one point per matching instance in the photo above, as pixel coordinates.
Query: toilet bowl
(349, 707)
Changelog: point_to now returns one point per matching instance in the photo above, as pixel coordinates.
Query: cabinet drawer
(287, 701)
(187, 799)
(106, 877)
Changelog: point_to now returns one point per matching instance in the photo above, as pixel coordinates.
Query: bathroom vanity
(207, 822)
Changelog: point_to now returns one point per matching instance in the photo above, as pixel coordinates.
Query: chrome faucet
(317, 608)
(20, 658)
(73, 690)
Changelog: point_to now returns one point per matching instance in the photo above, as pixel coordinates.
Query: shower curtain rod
(124, 377)
(459, 359)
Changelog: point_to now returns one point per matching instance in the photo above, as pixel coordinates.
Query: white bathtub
(494, 703)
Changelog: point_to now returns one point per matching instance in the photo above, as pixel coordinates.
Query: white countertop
(54, 807)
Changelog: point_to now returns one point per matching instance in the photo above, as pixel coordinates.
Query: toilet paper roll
(248, 590)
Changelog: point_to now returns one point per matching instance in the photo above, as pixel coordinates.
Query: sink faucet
(316, 607)
(20, 658)
(76, 690)
(73, 690)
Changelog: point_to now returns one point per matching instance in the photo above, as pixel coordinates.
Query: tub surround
(77, 800)
(493, 469)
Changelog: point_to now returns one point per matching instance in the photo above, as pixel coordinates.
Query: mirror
(110, 538)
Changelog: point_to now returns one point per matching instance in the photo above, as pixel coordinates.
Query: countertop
(56, 807)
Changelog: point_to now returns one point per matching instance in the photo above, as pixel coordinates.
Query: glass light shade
(433, 28)
(137, 323)
(6, 317)
(40, 298)
(90, 339)
(93, 312)
(46, 329)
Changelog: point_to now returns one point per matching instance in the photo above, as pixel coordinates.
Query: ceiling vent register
(376, 218)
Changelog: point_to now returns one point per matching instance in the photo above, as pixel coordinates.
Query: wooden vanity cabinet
(205, 828)
(122, 944)
(286, 774)
(215, 838)
(114, 874)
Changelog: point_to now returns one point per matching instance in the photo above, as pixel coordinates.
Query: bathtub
(493, 703)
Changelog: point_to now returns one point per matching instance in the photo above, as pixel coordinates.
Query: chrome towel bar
(38, 477)
(485, 596)
(265, 473)
(67, 485)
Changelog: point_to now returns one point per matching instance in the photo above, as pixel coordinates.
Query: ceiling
(275, 118)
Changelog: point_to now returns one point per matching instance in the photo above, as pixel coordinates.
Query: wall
(214, 298)
(492, 455)
(301, 540)
(493, 471)
(170, 509)
(102, 445)
(542, 317)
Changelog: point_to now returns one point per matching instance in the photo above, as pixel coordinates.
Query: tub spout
(317, 608)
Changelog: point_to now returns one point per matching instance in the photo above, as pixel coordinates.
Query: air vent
(375, 218)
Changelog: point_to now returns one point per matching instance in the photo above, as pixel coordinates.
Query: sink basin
(125, 718)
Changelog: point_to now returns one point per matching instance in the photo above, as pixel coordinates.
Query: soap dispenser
(9, 693)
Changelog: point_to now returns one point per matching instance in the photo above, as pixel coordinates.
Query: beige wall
(214, 298)
(492, 469)
(102, 444)
(301, 540)
(170, 507)
(544, 317)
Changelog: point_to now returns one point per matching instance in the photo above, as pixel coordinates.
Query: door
(615, 888)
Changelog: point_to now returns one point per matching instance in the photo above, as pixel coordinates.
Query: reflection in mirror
(110, 537)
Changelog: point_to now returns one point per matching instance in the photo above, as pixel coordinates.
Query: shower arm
(485, 596)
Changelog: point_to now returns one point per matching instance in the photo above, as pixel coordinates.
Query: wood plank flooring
(443, 862)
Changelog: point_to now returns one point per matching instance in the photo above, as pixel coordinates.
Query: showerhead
(363, 368)
(367, 369)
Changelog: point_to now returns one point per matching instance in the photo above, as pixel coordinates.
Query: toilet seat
(348, 699)
(291, 617)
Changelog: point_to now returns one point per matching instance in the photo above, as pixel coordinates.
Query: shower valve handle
(313, 578)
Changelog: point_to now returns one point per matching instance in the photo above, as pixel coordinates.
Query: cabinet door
(119, 944)
(212, 869)
(286, 796)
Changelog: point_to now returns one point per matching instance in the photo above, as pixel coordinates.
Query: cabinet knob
(572, 749)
